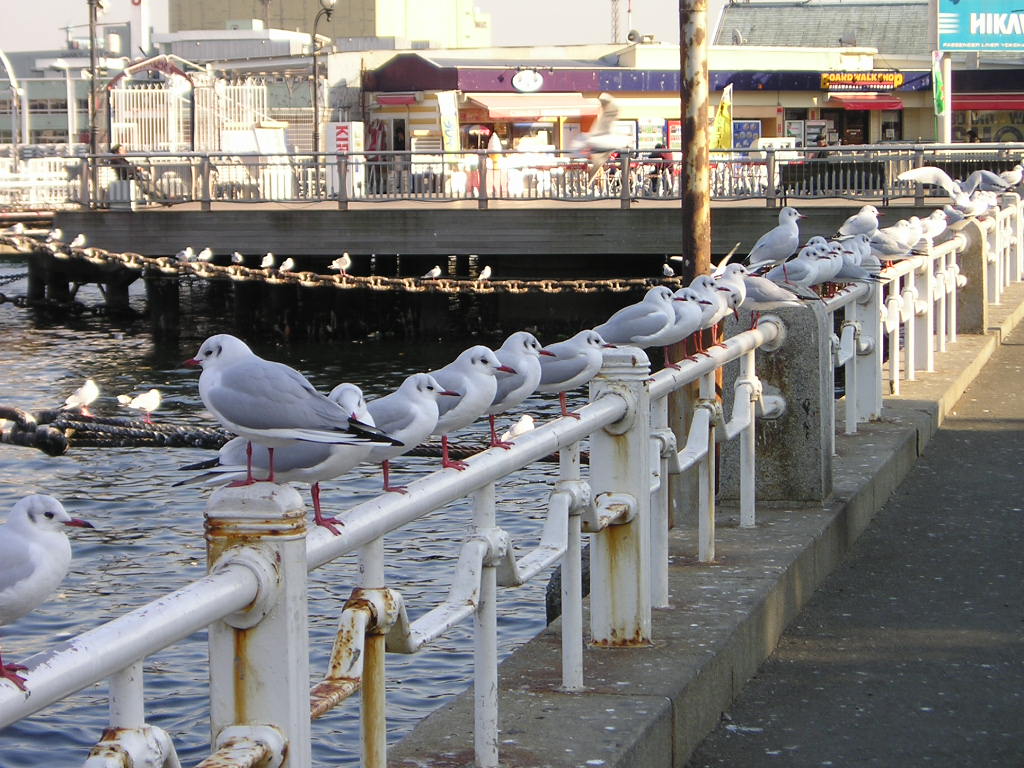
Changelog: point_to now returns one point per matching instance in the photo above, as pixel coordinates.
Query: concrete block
(972, 299)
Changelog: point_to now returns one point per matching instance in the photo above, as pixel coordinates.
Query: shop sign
(871, 80)
(981, 25)
(527, 80)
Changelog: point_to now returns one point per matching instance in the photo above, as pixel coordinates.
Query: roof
(891, 28)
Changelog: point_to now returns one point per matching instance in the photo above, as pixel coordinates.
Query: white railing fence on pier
(426, 173)
(254, 598)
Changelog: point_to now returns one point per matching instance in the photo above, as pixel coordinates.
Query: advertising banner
(981, 25)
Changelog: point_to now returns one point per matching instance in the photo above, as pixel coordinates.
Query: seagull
(801, 271)
(472, 374)
(78, 241)
(1014, 176)
(147, 402)
(409, 414)
(237, 258)
(485, 273)
(764, 295)
(648, 323)
(55, 235)
(81, 398)
(16, 229)
(299, 462)
(688, 307)
(434, 271)
(185, 255)
(779, 243)
(287, 265)
(270, 403)
(36, 554)
(667, 271)
(521, 427)
(521, 352)
(572, 363)
(865, 220)
(268, 261)
(341, 264)
(205, 255)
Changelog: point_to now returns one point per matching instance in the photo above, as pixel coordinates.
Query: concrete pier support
(972, 299)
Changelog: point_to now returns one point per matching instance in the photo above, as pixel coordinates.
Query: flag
(721, 130)
(938, 85)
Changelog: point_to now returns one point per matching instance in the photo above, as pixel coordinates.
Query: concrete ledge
(652, 706)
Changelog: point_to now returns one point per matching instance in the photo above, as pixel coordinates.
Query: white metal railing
(254, 600)
(866, 172)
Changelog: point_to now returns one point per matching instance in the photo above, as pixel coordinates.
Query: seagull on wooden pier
(409, 414)
(36, 554)
(269, 403)
(521, 352)
(572, 363)
(147, 402)
(299, 462)
(472, 374)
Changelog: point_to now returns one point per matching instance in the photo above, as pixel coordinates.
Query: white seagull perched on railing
(779, 243)
(648, 323)
(472, 375)
(269, 403)
(35, 554)
(688, 308)
(865, 221)
(572, 363)
(311, 463)
(521, 352)
(409, 414)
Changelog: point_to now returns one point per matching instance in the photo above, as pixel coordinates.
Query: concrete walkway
(912, 651)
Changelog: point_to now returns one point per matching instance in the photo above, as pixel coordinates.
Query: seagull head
(480, 360)
(39, 512)
(425, 386)
(219, 350)
(524, 343)
(350, 398)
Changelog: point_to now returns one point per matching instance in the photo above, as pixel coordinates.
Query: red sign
(343, 138)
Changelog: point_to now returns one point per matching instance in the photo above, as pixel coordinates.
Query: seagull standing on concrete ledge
(35, 554)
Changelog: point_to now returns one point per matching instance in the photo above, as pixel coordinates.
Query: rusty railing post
(620, 593)
(259, 657)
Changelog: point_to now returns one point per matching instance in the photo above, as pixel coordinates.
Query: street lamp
(326, 9)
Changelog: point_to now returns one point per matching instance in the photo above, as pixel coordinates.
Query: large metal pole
(693, 93)
(93, 4)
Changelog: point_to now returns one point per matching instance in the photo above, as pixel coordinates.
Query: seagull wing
(931, 175)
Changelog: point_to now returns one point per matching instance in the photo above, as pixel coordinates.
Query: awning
(988, 101)
(396, 99)
(512, 106)
(864, 101)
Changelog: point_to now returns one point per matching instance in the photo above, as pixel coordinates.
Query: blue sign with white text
(981, 25)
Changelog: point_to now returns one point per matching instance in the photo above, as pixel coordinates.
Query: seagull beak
(505, 369)
(191, 363)
(679, 298)
(705, 302)
(548, 353)
(801, 216)
(609, 346)
(76, 522)
(725, 290)
(450, 393)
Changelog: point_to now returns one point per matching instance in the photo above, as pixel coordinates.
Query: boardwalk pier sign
(980, 25)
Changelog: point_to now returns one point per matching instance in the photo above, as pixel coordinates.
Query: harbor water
(148, 538)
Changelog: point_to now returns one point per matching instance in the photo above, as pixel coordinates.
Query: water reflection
(149, 535)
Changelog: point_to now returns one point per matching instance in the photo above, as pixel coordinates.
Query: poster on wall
(745, 133)
(652, 132)
(814, 130)
(795, 130)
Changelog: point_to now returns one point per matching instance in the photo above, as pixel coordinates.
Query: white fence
(254, 597)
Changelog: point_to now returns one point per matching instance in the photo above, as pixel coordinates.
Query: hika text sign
(981, 25)
(871, 80)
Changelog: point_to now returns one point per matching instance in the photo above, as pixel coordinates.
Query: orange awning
(513, 106)
(864, 101)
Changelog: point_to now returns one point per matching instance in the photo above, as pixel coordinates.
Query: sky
(38, 25)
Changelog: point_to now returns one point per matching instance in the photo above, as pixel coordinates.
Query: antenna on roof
(737, 37)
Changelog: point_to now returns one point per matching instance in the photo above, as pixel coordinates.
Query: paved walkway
(912, 653)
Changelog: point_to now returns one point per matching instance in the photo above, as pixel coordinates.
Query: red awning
(864, 101)
(513, 106)
(396, 99)
(988, 101)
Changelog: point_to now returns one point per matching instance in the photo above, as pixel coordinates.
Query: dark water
(149, 535)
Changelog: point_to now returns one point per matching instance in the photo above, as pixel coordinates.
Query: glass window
(892, 125)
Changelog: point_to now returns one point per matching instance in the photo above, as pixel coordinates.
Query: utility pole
(693, 95)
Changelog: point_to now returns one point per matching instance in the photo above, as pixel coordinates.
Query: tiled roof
(892, 28)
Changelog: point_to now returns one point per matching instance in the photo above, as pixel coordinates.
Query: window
(892, 125)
